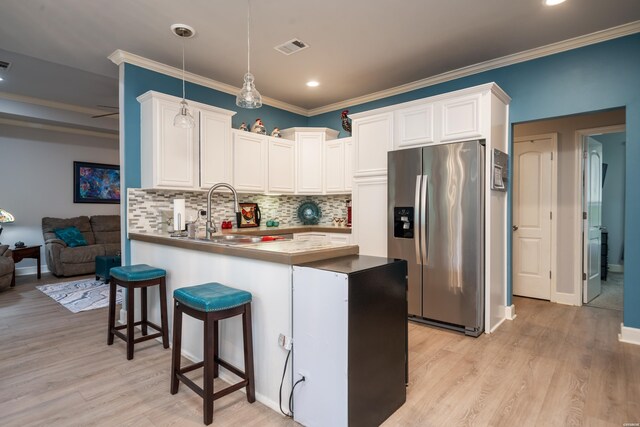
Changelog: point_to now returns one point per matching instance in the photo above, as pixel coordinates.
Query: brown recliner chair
(7, 268)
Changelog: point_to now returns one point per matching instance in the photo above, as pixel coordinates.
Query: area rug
(80, 295)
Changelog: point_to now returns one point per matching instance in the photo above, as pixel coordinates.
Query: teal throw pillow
(71, 236)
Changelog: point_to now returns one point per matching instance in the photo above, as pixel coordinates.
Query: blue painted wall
(592, 78)
(139, 80)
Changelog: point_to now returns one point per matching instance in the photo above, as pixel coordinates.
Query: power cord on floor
(284, 372)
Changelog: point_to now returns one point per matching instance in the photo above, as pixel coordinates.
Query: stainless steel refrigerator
(436, 223)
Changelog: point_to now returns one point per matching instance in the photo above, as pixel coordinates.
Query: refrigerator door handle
(416, 220)
(424, 219)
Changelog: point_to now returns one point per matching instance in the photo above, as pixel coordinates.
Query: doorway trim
(580, 140)
(554, 296)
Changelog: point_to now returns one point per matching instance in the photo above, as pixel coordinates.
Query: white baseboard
(510, 312)
(26, 271)
(616, 268)
(629, 335)
(566, 299)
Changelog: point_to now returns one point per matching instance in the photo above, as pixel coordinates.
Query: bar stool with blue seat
(131, 277)
(210, 303)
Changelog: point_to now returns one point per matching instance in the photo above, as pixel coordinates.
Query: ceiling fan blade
(104, 115)
(108, 106)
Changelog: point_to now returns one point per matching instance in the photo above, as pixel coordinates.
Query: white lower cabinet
(249, 162)
(331, 237)
(281, 168)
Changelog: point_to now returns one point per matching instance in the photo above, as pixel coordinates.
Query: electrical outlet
(285, 341)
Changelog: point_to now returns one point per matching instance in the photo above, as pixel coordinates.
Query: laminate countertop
(280, 251)
(290, 229)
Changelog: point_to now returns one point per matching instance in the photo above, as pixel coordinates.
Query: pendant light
(184, 118)
(249, 97)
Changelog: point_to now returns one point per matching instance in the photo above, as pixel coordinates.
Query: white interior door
(533, 203)
(593, 224)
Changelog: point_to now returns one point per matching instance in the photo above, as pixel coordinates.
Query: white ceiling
(357, 46)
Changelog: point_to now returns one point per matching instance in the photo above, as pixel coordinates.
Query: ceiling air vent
(4, 65)
(292, 46)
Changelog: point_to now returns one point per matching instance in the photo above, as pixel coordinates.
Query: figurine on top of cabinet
(258, 127)
(346, 121)
(244, 127)
(276, 133)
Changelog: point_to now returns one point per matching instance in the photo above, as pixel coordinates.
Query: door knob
(515, 228)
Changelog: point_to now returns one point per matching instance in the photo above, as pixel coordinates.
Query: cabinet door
(249, 162)
(369, 217)
(373, 138)
(334, 166)
(348, 164)
(309, 147)
(461, 118)
(414, 126)
(215, 148)
(175, 154)
(281, 165)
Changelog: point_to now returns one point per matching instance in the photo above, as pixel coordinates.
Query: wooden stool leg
(163, 313)
(209, 363)
(216, 348)
(112, 312)
(248, 353)
(143, 310)
(130, 321)
(177, 343)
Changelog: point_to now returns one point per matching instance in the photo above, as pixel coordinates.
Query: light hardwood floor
(553, 365)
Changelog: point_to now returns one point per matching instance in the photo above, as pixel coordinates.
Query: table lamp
(5, 217)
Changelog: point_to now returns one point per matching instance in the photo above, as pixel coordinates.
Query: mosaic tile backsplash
(150, 210)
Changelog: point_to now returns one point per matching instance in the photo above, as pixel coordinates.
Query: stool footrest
(230, 367)
(192, 367)
(147, 337)
(217, 395)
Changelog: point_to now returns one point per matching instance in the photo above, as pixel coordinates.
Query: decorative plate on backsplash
(309, 213)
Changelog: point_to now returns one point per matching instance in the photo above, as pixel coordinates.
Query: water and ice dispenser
(403, 222)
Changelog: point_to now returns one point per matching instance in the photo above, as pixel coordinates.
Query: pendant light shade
(249, 97)
(184, 118)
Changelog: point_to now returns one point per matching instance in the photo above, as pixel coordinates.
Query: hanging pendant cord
(248, 36)
(183, 69)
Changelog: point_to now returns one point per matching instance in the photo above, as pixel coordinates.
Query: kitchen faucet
(211, 226)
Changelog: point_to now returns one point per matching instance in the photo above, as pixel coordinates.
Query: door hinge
(549, 274)
(552, 155)
(584, 276)
(585, 155)
(584, 215)
(550, 215)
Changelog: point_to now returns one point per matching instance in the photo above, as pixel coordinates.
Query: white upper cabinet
(338, 166)
(461, 117)
(414, 126)
(310, 157)
(249, 161)
(373, 136)
(282, 162)
(334, 166)
(173, 157)
(348, 163)
(216, 155)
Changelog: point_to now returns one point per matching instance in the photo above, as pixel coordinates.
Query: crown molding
(528, 55)
(54, 104)
(65, 129)
(120, 56)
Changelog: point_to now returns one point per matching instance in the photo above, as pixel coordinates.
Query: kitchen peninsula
(263, 268)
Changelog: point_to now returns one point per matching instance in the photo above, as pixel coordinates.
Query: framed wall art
(96, 183)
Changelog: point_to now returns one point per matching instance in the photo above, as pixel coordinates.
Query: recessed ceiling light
(553, 2)
(313, 83)
(1, 79)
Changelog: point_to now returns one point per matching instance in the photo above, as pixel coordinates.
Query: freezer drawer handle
(515, 228)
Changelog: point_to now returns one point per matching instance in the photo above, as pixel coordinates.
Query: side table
(18, 254)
